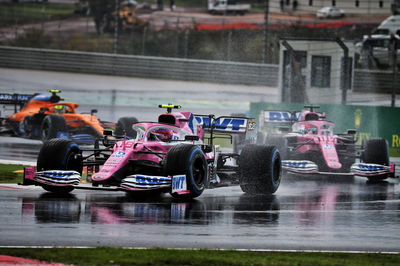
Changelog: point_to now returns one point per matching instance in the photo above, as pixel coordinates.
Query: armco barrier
(369, 121)
(169, 68)
(139, 66)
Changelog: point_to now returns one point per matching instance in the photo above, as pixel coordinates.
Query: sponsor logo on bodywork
(222, 124)
(118, 154)
(281, 116)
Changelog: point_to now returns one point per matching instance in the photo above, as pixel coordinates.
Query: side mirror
(93, 111)
(351, 131)
(284, 129)
(192, 137)
(206, 148)
(107, 132)
(108, 140)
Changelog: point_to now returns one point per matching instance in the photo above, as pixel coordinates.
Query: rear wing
(245, 127)
(279, 117)
(18, 100)
(278, 121)
(225, 124)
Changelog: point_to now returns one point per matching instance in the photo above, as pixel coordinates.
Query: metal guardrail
(139, 66)
(169, 68)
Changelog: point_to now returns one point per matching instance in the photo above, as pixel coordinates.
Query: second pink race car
(308, 145)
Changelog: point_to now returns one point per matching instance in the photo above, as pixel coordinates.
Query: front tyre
(59, 154)
(58, 190)
(189, 160)
(51, 125)
(260, 169)
(376, 151)
(124, 125)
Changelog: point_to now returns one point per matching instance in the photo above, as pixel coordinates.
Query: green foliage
(231, 45)
(90, 43)
(159, 256)
(21, 13)
(33, 37)
(241, 45)
(7, 174)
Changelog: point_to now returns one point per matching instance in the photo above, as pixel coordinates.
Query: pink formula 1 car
(308, 146)
(177, 154)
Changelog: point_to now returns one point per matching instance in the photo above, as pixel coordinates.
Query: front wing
(177, 184)
(358, 169)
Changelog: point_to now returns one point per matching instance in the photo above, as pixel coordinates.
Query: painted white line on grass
(223, 249)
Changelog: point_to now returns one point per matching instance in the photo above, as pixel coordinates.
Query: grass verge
(159, 256)
(8, 174)
(20, 13)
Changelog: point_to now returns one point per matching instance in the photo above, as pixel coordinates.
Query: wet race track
(306, 213)
(313, 213)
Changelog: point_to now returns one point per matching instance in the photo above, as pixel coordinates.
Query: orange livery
(44, 116)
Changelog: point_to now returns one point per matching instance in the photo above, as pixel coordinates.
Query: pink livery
(308, 145)
(176, 154)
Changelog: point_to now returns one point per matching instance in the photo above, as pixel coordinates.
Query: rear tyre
(189, 160)
(124, 125)
(27, 126)
(376, 151)
(51, 125)
(260, 169)
(59, 154)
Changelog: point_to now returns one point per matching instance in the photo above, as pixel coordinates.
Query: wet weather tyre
(280, 142)
(59, 154)
(58, 190)
(189, 160)
(124, 124)
(27, 126)
(51, 125)
(260, 169)
(376, 151)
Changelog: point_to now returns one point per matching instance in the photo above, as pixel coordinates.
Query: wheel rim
(72, 162)
(276, 171)
(27, 126)
(45, 131)
(198, 173)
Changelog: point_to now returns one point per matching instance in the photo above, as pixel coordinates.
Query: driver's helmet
(59, 109)
(164, 135)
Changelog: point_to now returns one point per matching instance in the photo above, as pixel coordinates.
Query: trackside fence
(139, 66)
(169, 68)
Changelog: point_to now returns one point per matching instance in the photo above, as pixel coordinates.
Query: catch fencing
(169, 68)
(139, 66)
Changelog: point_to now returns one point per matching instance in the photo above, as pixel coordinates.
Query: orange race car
(43, 116)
